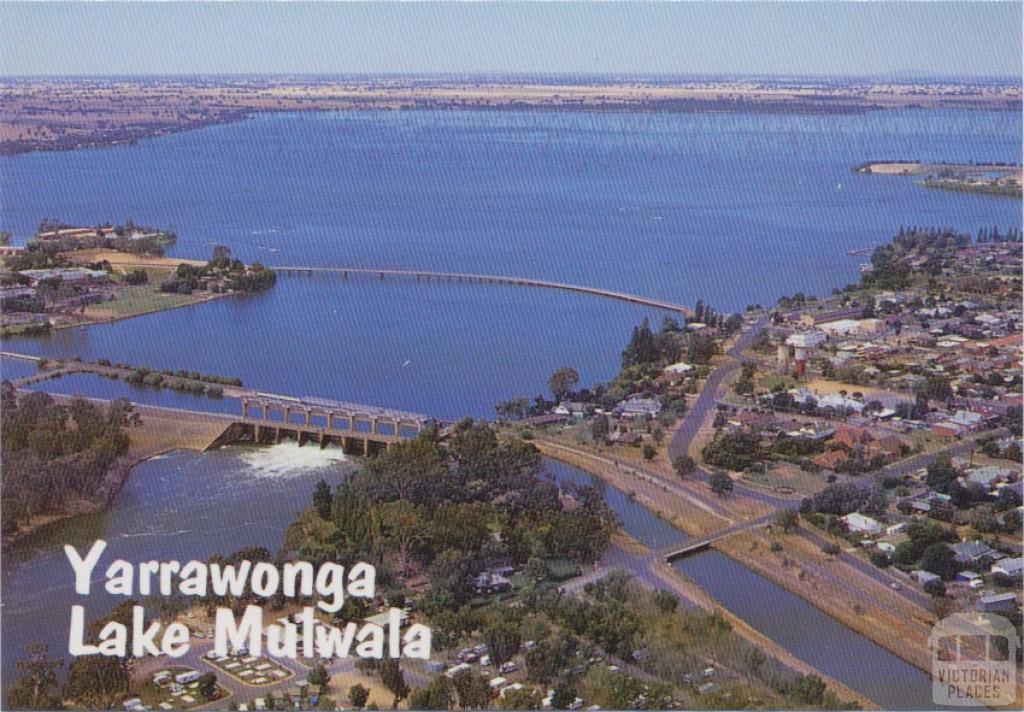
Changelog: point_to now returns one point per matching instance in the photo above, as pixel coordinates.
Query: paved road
(708, 398)
(706, 403)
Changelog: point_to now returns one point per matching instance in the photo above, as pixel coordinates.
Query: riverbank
(852, 599)
(159, 432)
(905, 168)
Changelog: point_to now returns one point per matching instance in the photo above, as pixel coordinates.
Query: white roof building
(806, 339)
(861, 524)
(1009, 567)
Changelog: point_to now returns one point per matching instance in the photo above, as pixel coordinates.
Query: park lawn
(785, 475)
(142, 299)
(768, 382)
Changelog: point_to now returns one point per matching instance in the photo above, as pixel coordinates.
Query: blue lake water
(734, 208)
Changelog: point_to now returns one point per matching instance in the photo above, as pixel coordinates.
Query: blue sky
(833, 38)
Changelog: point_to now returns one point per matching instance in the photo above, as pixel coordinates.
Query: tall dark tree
(721, 483)
(562, 382)
(323, 499)
(36, 689)
(392, 677)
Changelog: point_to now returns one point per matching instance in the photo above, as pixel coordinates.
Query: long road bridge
(468, 277)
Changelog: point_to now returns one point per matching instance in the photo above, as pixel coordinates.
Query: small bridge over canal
(467, 277)
(679, 552)
(675, 552)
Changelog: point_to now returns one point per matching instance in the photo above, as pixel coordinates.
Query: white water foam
(287, 459)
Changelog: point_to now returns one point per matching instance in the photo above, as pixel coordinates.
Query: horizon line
(899, 75)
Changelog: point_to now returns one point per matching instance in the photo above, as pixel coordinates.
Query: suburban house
(969, 552)
(988, 477)
(831, 459)
(850, 436)
(636, 406)
(627, 438)
(69, 274)
(1009, 567)
(861, 524)
(997, 602)
(574, 409)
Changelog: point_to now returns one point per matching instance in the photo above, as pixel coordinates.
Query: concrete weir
(358, 429)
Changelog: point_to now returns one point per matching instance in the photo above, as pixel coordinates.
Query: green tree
(935, 388)
(36, 689)
(318, 675)
(786, 519)
(527, 698)
(666, 601)
(642, 347)
(322, 499)
(207, 685)
(562, 382)
(684, 465)
(940, 560)
(438, 695)
(137, 277)
(721, 483)
(503, 638)
(809, 690)
(473, 691)
(649, 451)
(563, 697)
(405, 529)
(941, 473)
(357, 696)
(392, 677)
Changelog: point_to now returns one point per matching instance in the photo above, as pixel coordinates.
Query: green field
(131, 301)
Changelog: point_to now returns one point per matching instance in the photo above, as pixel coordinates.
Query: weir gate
(358, 429)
